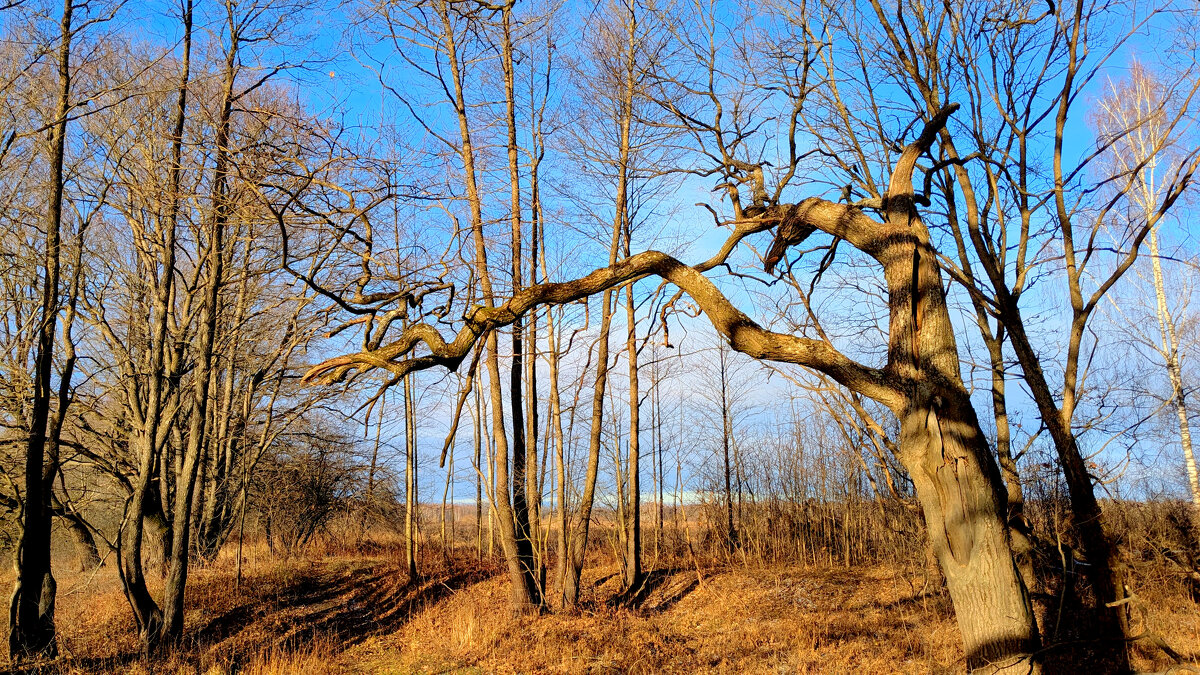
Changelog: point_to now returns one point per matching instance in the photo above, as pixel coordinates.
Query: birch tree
(1135, 116)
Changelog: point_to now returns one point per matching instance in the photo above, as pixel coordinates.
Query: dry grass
(781, 620)
(350, 613)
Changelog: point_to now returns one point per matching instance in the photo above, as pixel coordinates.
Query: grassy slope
(356, 614)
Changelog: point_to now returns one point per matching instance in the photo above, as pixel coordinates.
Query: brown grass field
(355, 613)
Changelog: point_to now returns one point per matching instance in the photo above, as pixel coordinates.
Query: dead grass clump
(314, 657)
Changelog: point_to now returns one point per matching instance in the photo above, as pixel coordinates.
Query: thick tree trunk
(146, 613)
(946, 456)
(86, 550)
(994, 338)
(956, 480)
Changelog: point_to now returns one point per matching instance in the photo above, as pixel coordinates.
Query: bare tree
(942, 446)
(726, 392)
(31, 618)
(1135, 117)
(1011, 204)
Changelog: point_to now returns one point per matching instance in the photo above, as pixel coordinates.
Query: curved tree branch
(742, 332)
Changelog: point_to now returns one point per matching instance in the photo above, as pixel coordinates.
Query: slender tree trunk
(522, 454)
(446, 496)
(633, 539)
(31, 616)
(577, 549)
(1104, 566)
(150, 438)
(560, 459)
(223, 446)
(534, 474)
(85, 543)
(1019, 528)
(1104, 569)
(173, 591)
(476, 424)
(655, 476)
(538, 255)
(726, 449)
(554, 349)
(661, 480)
(1170, 350)
(369, 498)
(245, 500)
(524, 591)
(411, 503)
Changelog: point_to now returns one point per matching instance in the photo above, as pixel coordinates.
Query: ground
(358, 614)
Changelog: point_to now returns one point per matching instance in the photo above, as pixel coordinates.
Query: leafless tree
(1135, 118)
(31, 618)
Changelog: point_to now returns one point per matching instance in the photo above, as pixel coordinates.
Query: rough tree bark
(86, 549)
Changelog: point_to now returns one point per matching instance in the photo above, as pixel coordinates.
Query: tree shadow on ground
(343, 607)
(658, 591)
(342, 603)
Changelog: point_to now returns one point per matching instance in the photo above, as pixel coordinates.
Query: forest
(357, 336)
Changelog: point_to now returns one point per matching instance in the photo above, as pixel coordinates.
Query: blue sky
(336, 76)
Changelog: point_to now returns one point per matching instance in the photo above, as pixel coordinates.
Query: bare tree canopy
(314, 302)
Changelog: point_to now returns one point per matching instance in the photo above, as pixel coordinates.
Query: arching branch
(743, 333)
(898, 201)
